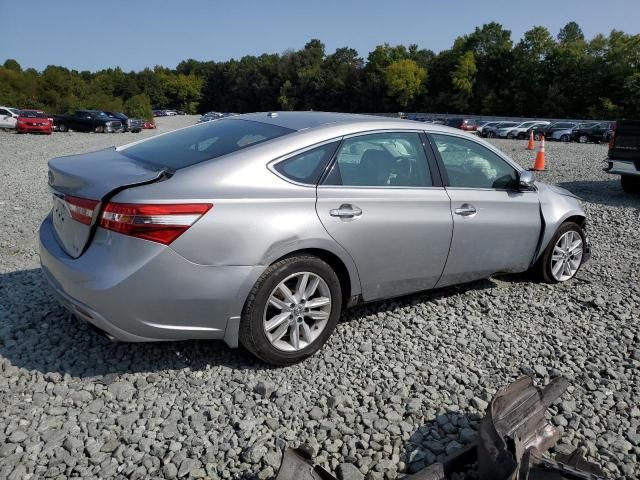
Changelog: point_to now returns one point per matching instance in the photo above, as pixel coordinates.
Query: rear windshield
(32, 114)
(204, 141)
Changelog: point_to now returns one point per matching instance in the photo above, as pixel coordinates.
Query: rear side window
(206, 141)
(307, 167)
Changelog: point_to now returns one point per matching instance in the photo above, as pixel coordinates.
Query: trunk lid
(81, 183)
(626, 141)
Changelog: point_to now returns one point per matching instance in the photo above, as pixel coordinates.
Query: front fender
(556, 206)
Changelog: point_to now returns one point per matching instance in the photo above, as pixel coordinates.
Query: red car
(466, 124)
(30, 121)
(149, 124)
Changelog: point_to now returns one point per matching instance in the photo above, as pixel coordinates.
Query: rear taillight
(161, 223)
(81, 209)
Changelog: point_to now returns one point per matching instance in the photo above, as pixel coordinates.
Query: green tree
(139, 106)
(405, 80)
(11, 64)
(463, 78)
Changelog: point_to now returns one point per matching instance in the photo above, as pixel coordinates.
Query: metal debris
(513, 437)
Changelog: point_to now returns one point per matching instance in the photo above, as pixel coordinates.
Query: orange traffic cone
(531, 145)
(538, 165)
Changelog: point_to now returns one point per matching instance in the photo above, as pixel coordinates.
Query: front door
(496, 227)
(380, 203)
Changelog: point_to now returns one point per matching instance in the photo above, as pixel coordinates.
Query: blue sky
(133, 34)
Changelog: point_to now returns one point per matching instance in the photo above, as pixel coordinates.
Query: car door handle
(346, 211)
(466, 210)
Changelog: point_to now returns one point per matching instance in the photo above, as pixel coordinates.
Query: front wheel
(291, 311)
(583, 138)
(565, 138)
(99, 129)
(537, 137)
(63, 128)
(563, 257)
(630, 183)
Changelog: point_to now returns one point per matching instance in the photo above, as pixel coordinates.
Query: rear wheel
(562, 258)
(291, 311)
(565, 138)
(537, 137)
(583, 138)
(630, 183)
(63, 128)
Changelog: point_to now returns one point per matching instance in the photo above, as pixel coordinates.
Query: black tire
(522, 136)
(99, 129)
(565, 138)
(252, 334)
(537, 137)
(62, 128)
(630, 183)
(583, 139)
(542, 268)
(490, 134)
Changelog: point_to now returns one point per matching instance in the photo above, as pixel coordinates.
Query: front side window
(307, 167)
(381, 160)
(471, 165)
(205, 141)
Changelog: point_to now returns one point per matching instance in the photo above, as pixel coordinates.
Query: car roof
(305, 120)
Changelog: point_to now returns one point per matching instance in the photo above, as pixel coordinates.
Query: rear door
(626, 141)
(382, 204)
(495, 226)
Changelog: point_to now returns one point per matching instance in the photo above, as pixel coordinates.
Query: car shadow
(603, 192)
(440, 437)
(380, 306)
(37, 333)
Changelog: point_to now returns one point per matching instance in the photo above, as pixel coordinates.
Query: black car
(548, 130)
(593, 132)
(128, 124)
(87, 121)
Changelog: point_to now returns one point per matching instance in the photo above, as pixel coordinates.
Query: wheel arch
(550, 227)
(345, 269)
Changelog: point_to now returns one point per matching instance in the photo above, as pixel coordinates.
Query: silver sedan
(260, 229)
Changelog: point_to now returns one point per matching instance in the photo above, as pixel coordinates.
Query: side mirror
(526, 180)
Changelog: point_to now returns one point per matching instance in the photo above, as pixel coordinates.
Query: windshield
(507, 124)
(32, 114)
(204, 141)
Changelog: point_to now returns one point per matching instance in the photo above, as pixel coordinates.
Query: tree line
(483, 73)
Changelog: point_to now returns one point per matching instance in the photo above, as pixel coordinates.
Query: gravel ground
(398, 385)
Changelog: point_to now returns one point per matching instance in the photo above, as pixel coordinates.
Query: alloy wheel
(297, 311)
(567, 256)
(583, 139)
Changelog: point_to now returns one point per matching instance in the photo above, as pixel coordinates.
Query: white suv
(8, 117)
(520, 131)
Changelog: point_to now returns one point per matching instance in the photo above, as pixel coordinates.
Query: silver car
(262, 228)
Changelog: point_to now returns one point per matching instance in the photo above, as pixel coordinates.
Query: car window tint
(201, 142)
(381, 160)
(471, 165)
(307, 167)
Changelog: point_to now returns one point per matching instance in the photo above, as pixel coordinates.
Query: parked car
(624, 154)
(164, 247)
(548, 131)
(207, 117)
(520, 131)
(491, 131)
(8, 117)
(128, 124)
(159, 113)
(87, 121)
(466, 124)
(149, 124)
(482, 125)
(136, 125)
(593, 132)
(34, 121)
